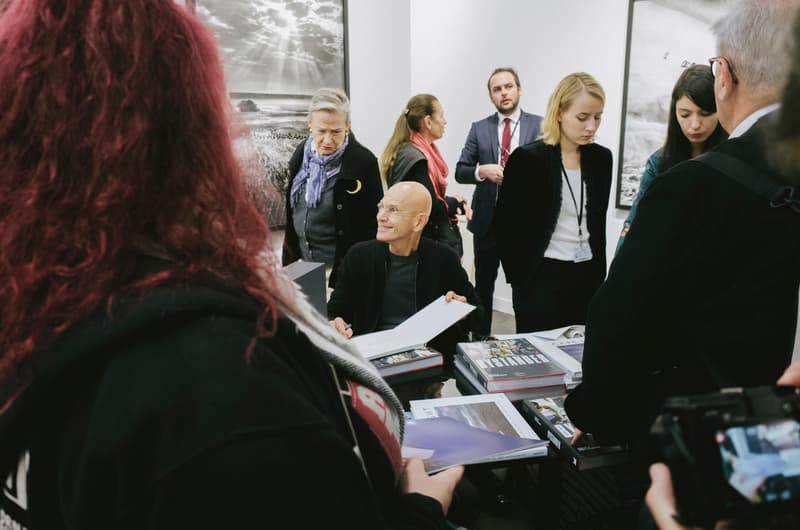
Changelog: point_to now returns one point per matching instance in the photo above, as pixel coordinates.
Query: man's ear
(723, 82)
(420, 221)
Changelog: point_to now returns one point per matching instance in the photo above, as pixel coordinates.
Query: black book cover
(550, 421)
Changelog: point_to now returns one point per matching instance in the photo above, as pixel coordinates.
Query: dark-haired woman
(412, 155)
(157, 369)
(692, 130)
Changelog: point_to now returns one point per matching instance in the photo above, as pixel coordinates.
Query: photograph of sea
(276, 54)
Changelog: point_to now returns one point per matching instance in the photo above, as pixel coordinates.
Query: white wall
(449, 47)
(379, 55)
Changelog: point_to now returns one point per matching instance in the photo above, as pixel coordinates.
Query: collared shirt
(752, 119)
(501, 125)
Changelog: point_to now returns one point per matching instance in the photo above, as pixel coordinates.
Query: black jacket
(154, 418)
(703, 294)
(358, 296)
(356, 194)
(529, 202)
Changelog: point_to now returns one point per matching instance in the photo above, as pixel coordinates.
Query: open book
(415, 331)
(469, 430)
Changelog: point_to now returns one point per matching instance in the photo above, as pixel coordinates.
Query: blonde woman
(412, 155)
(550, 219)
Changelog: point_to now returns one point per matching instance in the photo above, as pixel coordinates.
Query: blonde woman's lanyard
(584, 253)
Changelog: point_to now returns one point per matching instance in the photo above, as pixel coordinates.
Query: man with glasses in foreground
(384, 281)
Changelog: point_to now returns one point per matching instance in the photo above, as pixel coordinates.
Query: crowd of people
(159, 370)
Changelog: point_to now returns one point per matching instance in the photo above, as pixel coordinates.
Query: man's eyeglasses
(391, 210)
(714, 61)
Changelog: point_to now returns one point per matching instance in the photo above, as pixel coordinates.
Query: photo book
(469, 430)
(509, 364)
(468, 384)
(549, 419)
(397, 365)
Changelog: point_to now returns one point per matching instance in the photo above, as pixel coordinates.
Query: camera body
(732, 454)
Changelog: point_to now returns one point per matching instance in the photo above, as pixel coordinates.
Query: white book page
(570, 364)
(415, 331)
(432, 408)
(382, 343)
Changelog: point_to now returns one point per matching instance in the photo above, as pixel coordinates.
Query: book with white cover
(491, 412)
(566, 352)
(414, 332)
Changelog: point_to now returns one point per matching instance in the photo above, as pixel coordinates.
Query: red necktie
(505, 146)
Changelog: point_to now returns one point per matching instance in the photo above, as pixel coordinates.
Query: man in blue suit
(489, 143)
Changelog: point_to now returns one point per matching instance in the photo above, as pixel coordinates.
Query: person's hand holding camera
(660, 496)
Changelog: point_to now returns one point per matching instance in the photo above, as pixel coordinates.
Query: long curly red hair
(115, 137)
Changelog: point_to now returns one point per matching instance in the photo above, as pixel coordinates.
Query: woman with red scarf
(412, 155)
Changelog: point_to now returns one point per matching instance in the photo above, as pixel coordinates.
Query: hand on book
(439, 486)
(450, 296)
(576, 436)
(345, 329)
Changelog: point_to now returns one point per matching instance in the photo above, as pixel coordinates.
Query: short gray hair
(754, 36)
(331, 99)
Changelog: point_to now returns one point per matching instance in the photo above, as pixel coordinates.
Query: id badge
(584, 253)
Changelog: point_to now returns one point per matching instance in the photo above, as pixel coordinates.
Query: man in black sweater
(383, 282)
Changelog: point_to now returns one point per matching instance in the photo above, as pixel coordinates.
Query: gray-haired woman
(334, 189)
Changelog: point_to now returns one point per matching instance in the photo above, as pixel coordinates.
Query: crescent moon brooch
(357, 189)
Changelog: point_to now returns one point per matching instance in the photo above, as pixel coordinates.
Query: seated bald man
(382, 282)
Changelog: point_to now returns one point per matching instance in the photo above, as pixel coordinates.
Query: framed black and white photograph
(664, 37)
(276, 54)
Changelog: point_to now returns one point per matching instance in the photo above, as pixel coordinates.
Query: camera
(734, 454)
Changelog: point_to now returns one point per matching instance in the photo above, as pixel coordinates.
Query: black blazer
(703, 294)
(356, 194)
(529, 202)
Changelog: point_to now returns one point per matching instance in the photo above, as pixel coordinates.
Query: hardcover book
(548, 418)
(468, 384)
(509, 364)
(493, 413)
(395, 365)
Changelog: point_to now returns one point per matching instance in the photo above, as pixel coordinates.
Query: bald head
(413, 196)
(402, 216)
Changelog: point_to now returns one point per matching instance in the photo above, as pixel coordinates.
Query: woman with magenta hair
(157, 370)
(692, 129)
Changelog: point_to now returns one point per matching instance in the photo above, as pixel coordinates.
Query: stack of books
(464, 430)
(513, 366)
(550, 421)
(409, 365)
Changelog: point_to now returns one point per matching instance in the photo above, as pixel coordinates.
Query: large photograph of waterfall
(664, 37)
(276, 54)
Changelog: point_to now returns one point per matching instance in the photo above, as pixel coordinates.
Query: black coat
(529, 202)
(153, 416)
(356, 194)
(703, 294)
(358, 297)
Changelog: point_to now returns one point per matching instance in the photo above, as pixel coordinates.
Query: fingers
(342, 327)
(451, 295)
(660, 498)
(439, 486)
(791, 376)
(576, 436)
